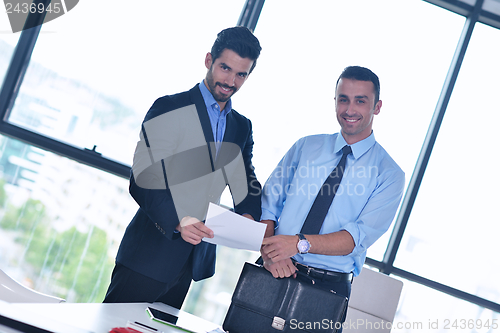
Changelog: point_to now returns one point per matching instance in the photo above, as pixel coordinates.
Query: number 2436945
(471, 324)
(26, 8)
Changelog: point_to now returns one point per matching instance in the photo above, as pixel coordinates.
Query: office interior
(75, 90)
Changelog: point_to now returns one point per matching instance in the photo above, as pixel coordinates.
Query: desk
(94, 317)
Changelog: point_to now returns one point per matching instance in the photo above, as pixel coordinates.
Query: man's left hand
(280, 247)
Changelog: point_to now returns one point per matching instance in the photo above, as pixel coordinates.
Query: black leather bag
(262, 304)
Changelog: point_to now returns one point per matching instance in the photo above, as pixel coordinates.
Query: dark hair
(240, 40)
(361, 74)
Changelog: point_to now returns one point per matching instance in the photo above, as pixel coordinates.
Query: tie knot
(346, 150)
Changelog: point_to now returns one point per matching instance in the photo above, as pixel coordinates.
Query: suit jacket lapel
(197, 99)
(228, 150)
(230, 133)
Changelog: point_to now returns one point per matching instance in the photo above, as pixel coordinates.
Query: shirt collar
(210, 101)
(358, 149)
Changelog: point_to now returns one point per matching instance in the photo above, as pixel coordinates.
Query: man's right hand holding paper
(193, 230)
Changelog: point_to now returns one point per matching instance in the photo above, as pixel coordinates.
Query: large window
(8, 42)
(60, 222)
(453, 226)
(423, 309)
(96, 70)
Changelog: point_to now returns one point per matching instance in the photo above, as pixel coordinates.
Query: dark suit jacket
(150, 246)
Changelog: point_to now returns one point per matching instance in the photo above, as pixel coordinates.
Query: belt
(323, 274)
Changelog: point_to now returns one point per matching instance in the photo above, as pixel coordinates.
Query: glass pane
(60, 222)
(470, 2)
(306, 45)
(492, 6)
(92, 86)
(210, 299)
(453, 227)
(423, 309)
(8, 41)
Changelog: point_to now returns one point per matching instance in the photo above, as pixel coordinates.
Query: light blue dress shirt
(217, 118)
(365, 204)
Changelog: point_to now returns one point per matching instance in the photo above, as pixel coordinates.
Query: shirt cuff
(356, 234)
(269, 216)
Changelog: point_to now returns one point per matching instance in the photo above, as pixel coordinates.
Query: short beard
(212, 85)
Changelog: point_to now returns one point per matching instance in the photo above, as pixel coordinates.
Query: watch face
(303, 246)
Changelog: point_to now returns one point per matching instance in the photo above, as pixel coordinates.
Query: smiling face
(355, 106)
(226, 75)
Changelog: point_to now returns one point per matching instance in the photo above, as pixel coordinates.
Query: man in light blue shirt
(363, 207)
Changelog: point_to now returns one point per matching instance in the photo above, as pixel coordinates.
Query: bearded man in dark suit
(192, 145)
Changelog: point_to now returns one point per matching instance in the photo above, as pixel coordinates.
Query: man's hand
(280, 269)
(193, 230)
(279, 247)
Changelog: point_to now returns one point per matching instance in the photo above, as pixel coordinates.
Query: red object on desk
(123, 330)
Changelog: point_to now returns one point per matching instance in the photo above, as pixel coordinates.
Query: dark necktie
(323, 201)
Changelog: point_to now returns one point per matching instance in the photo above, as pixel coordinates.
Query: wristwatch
(303, 245)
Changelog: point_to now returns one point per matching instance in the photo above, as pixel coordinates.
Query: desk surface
(96, 317)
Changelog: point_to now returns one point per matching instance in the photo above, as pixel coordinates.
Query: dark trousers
(128, 286)
(341, 288)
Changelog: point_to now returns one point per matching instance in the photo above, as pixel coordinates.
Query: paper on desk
(233, 230)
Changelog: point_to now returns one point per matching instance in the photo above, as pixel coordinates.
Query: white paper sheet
(233, 230)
